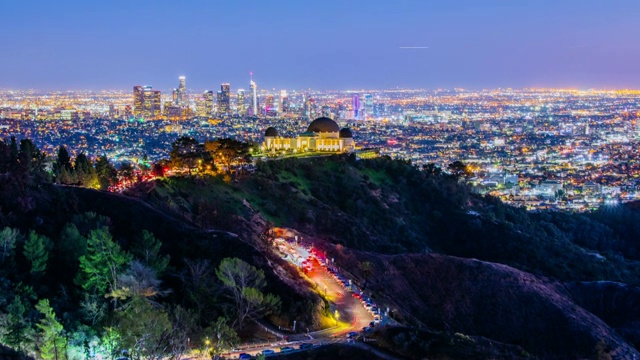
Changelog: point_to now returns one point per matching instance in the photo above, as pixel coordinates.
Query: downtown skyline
(328, 45)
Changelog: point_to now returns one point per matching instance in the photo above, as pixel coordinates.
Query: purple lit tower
(355, 102)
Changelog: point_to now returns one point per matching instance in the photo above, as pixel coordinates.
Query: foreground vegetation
(86, 273)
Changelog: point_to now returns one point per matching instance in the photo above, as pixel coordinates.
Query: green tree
(85, 172)
(102, 263)
(229, 151)
(219, 337)
(36, 250)
(52, 344)
(71, 246)
(144, 329)
(31, 158)
(17, 326)
(245, 283)
(147, 249)
(187, 152)
(8, 239)
(106, 172)
(62, 168)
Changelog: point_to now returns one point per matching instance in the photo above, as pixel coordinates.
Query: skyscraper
(269, 108)
(241, 107)
(146, 102)
(368, 107)
(284, 101)
(223, 99)
(208, 102)
(355, 104)
(152, 103)
(254, 97)
(138, 100)
(181, 93)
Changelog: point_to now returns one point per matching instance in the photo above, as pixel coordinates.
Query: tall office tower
(284, 101)
(151, 103)
(182, 92)
(368, 107)
(223, 100)
(355, 104)
(254, 97)
(269, 108)
(241, 108)
(208, 102)
(138, 100)
(174, 97)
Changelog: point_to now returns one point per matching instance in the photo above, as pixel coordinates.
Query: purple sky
(328, 44)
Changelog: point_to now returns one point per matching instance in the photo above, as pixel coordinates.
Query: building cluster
(538, 148)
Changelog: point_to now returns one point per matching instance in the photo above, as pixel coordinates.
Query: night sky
(324, 44)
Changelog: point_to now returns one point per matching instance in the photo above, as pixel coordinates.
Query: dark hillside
(389, 206)
(490, 300)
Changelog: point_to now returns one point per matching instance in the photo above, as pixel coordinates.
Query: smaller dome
(271, 131)
(345, 133)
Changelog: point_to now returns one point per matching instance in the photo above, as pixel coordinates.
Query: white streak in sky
(413, 47)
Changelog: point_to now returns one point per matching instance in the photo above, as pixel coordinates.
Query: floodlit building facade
(323, 134)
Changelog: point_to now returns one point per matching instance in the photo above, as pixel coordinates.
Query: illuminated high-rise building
(254, 97)
(284, 101)
(138, 100)
(368, 107)
(241, 107)
(355, 105)
(146, 102)
(181, 93)
(223, 100)
(208, 102)
(174, 96)
(269, 106)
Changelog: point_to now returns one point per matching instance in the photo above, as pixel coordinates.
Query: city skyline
(328, 45)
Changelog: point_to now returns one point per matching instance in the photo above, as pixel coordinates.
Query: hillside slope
(398, 217)
(487, 299)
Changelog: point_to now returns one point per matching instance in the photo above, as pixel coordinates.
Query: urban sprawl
(537, 148)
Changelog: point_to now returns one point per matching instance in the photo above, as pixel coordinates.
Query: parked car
(268, 352)
(304, 346)
(286, 349)
(352, 334)
(244, 356)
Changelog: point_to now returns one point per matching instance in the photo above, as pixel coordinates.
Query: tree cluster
(98, 174)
